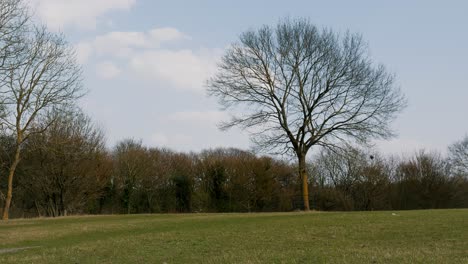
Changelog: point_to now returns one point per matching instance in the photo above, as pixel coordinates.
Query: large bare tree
(297, 86)
(43, 76)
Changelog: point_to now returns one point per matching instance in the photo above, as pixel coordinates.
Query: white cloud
(109, 23)
(159, 35)
(195, 130)
(163, 140)
(183, 69)
(124, 44)
(146, 57)
(82, 14)
(83, 51)
(159, 139)
(407, 146)
(119, 44)
(209, 117)
(107, 70)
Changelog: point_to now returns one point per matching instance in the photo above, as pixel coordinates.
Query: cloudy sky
(145, 62)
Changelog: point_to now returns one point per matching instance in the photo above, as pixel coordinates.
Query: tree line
(68, 170)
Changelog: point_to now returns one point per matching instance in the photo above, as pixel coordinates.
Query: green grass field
(429, 236)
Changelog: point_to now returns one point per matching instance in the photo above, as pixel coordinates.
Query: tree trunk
(62, 210)
(37, 209)
(128, 205)
(305, 182)
(11, 174)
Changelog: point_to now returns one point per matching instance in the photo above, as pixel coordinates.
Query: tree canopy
(295, 86)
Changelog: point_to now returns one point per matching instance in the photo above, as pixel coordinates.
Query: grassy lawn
(432, 236)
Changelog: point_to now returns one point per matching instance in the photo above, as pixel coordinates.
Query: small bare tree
(131, 167)
(296, 86)
(66, 167)
(44, 76)
(458, 157)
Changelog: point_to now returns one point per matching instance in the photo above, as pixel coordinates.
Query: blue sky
(145, 62)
